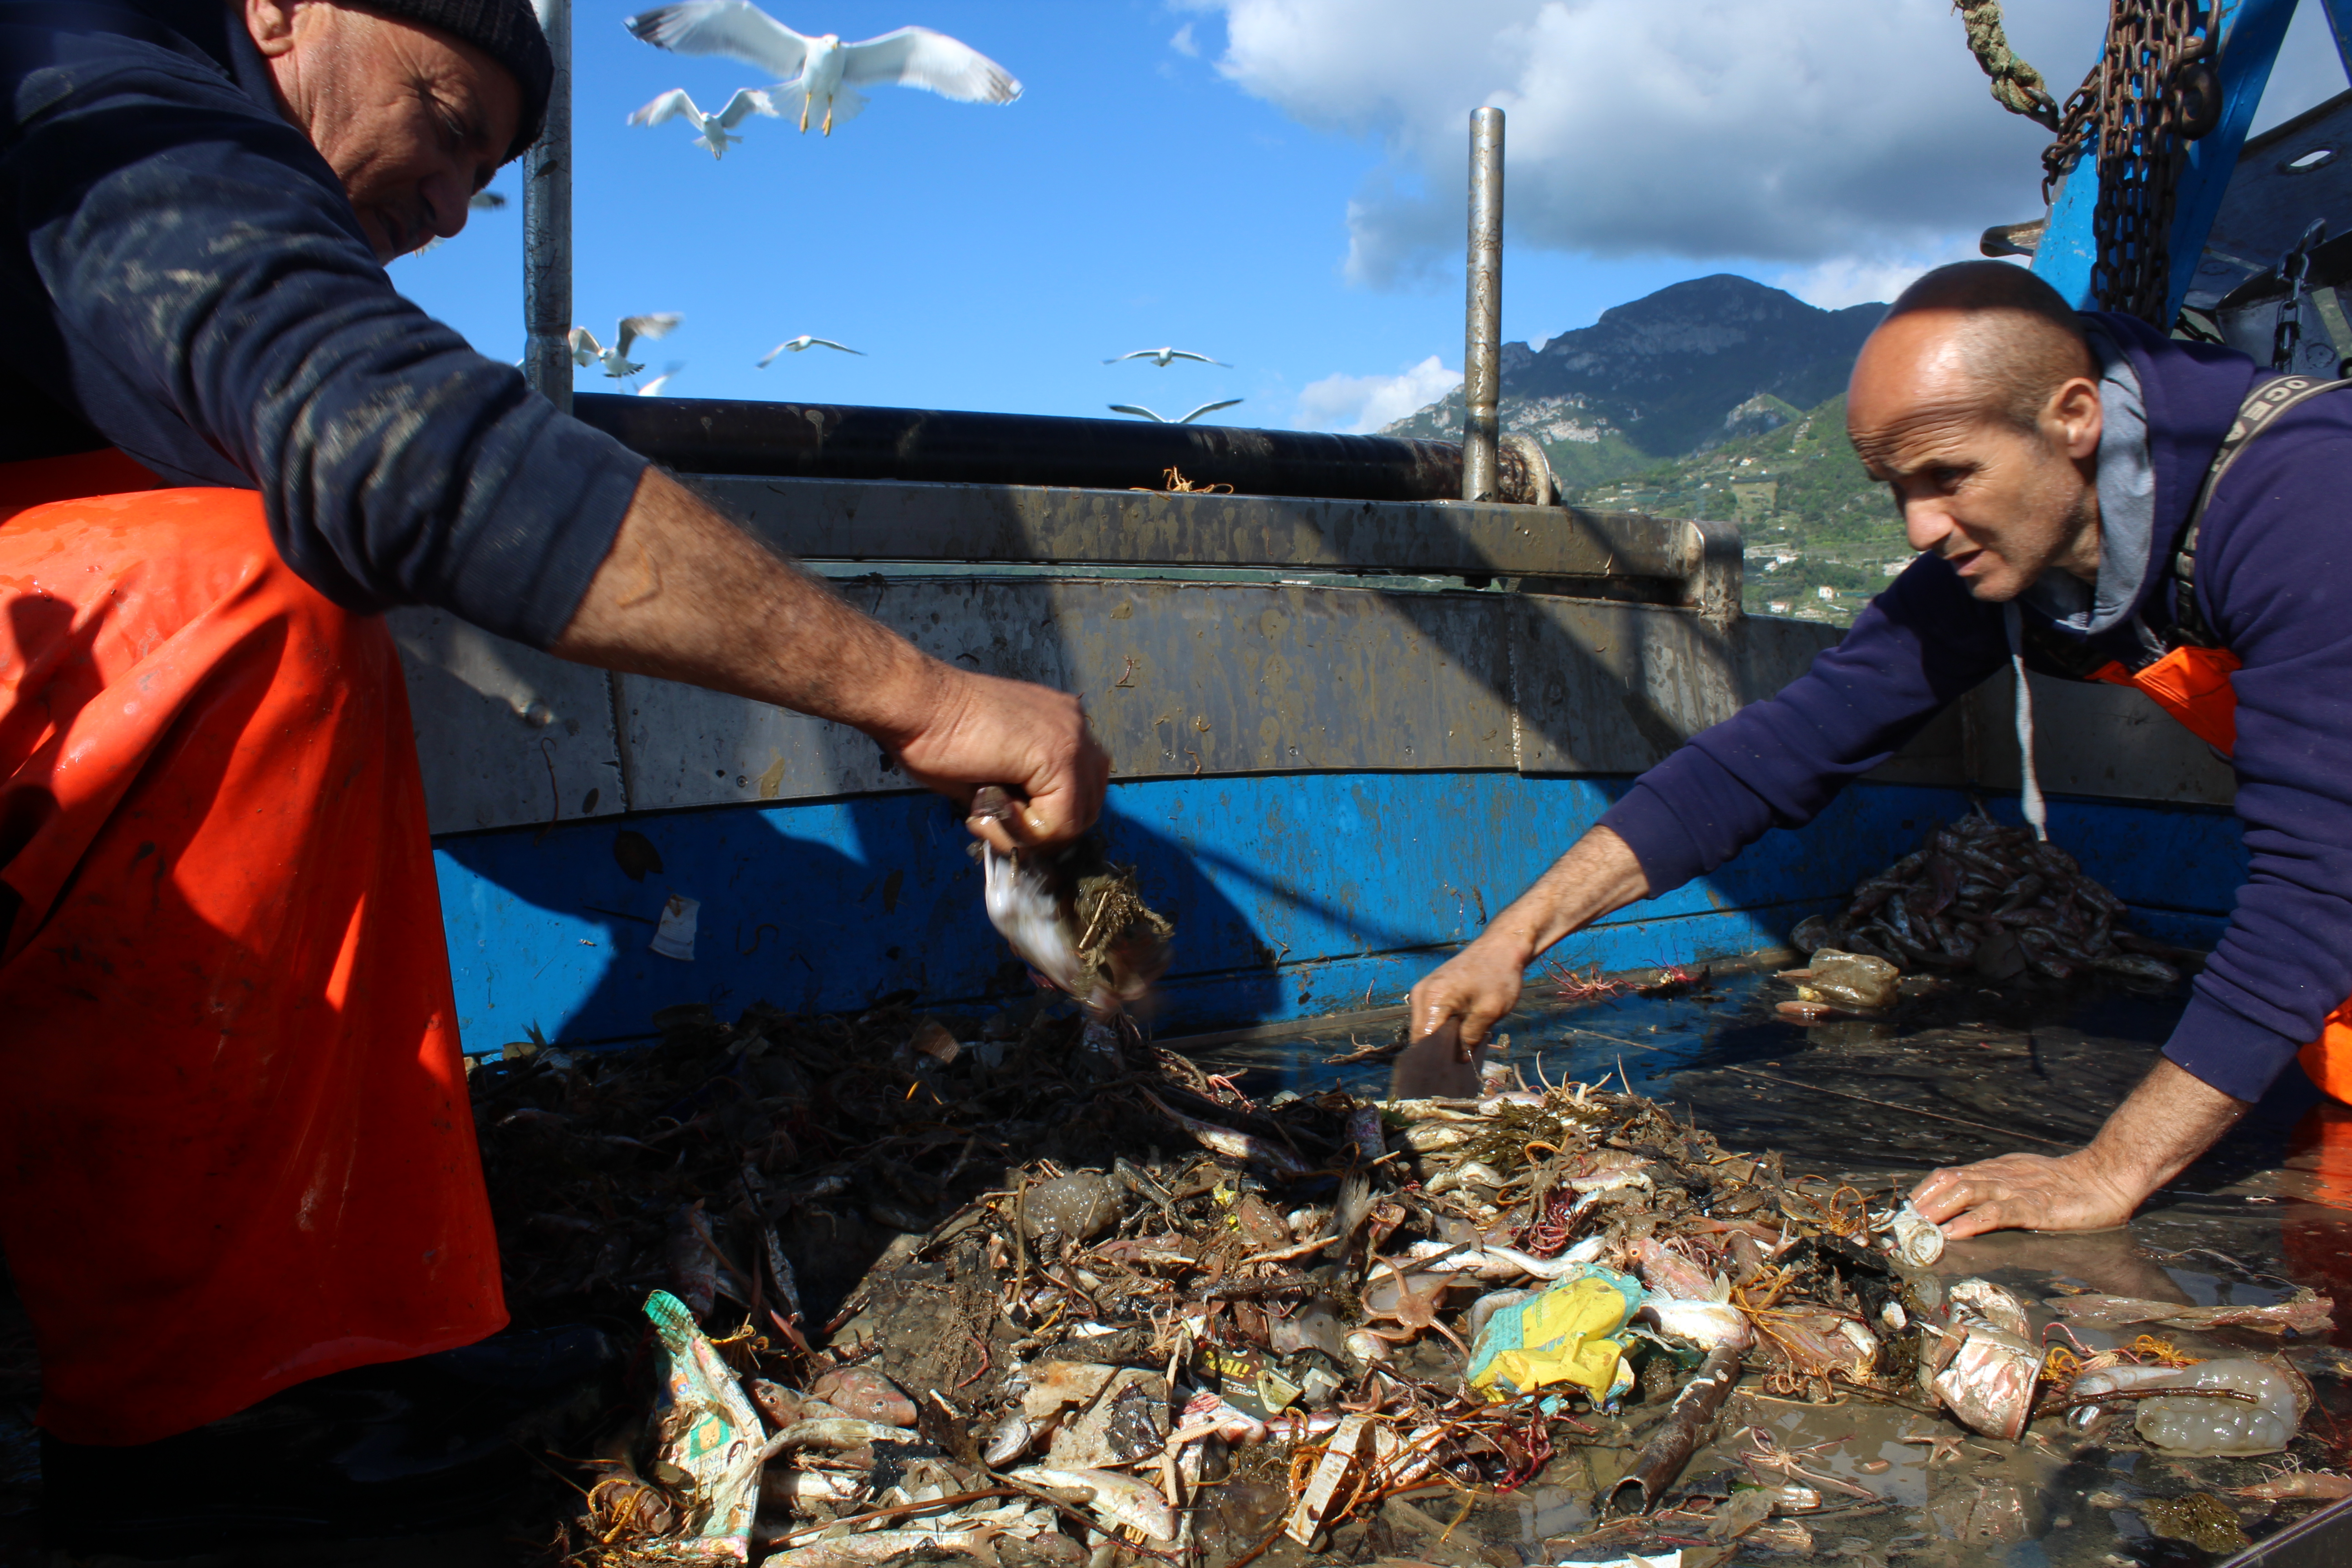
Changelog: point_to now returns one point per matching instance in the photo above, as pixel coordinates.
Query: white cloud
(1799, 132)
(1184, 44)
(1843, 280)
(1358, 403)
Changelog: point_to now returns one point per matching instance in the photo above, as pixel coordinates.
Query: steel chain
(2132, 102)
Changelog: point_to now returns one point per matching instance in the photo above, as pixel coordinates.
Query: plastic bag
(1561, 1336)
(1847, 979)
(707, 1443)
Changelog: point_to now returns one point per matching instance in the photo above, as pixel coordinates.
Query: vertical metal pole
(547, 225)
(1482, 350)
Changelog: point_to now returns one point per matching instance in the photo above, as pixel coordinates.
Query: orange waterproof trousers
(238, 1151)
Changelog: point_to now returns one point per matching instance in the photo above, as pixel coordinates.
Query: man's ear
(2073, 409)
(271, 25)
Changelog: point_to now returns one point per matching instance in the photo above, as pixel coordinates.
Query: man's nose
(1925, 524)
(447, 205)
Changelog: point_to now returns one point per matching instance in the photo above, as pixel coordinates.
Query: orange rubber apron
(239, 1151)
(2192, 684)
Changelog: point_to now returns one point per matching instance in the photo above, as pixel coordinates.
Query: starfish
(1939, 1447)
(1413, 1312)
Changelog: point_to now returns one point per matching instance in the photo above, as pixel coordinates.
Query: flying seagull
(713, 128)
(1163, 355)
(1138, 408)
(805, 341)
(824, 69)
(586, 351)
(653, 388)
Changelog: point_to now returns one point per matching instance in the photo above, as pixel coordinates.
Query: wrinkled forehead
(1918, 378)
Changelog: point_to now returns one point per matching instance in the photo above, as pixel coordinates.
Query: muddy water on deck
(1951, 1078)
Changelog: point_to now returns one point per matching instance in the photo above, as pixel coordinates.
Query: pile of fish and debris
(1977, 899)
(1035, 1291)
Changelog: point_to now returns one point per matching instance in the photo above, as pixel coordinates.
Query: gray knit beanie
(506, 30)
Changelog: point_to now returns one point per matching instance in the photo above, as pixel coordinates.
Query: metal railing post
(1482, 352)
(547, 225)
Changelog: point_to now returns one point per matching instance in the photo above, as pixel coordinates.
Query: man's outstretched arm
(686, 595)
(1480, 983)
(2170, 1118)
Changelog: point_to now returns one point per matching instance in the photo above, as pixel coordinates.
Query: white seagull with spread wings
(586, 351)
(711, 130)
(1137, 408)
(824, 69)
(1163, 355)
(805, 342)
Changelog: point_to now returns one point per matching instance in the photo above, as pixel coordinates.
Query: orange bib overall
(239, 1151)
(2192, 684)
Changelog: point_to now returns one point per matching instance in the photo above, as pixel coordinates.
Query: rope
(2016, 86)
(2029, 794)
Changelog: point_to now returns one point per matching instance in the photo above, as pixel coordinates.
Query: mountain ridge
(1658, 378)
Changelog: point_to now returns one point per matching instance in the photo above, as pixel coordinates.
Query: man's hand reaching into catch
(2169, 1120)
(1478, 986)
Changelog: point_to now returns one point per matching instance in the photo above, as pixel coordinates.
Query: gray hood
(2127, 485)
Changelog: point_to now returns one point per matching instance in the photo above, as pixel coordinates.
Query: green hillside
(1811, 517)
(1583, 448)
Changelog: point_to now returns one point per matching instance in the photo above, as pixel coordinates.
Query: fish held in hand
(1072, 916)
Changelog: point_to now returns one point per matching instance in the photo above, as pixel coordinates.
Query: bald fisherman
(2048, 467)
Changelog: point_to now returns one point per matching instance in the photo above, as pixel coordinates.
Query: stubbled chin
(379, 237)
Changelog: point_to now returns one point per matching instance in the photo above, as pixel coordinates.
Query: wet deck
(1956, 1077)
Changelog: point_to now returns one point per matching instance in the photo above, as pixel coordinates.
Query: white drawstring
(2037, 816)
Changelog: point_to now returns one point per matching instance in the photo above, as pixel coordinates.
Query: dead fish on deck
(1119, 1500)
(1225, 1140)
(1072, 916)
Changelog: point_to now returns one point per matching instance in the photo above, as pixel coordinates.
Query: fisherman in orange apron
(243, 1205)
(2093, 499)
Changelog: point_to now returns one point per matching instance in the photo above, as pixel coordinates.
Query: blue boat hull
(1294, 895)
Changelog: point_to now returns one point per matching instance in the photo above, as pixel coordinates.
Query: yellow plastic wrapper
(1561, 1336)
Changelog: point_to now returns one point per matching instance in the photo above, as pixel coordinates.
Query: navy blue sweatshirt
(187, 281)
(2273, 581)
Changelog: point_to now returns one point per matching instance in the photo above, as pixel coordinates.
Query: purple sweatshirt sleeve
(1919, 647)
(2274, 571)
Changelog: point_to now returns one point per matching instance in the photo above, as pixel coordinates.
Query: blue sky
(1275, 182)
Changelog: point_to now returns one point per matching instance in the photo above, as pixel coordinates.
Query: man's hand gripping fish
(1074, 917)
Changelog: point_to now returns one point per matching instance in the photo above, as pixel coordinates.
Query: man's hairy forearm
(2161, 1127)
(1597, 875)
(688, 595)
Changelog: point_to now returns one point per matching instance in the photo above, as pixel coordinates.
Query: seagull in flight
(586, 351)
(824, 69)
(1137, 408)
(713, 128)
(1160, 356)
(805, 341)
(653, 388)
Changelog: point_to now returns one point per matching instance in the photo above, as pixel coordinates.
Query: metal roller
(801, 440)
